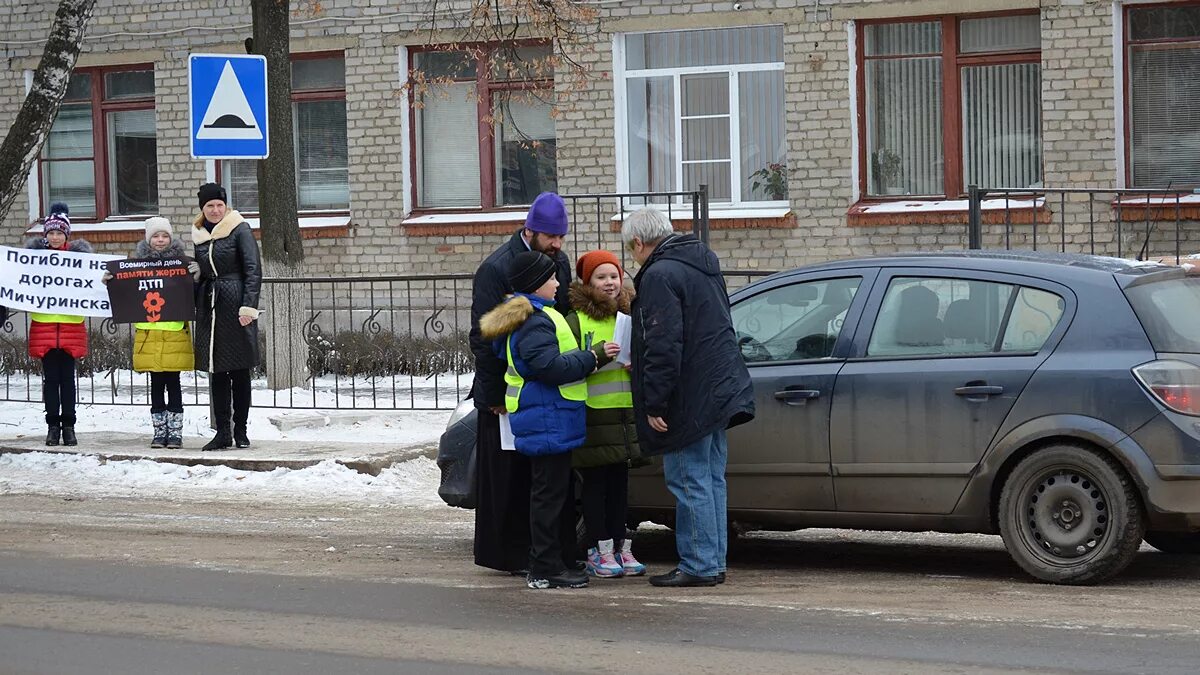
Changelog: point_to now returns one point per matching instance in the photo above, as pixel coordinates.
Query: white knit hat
(158, 224)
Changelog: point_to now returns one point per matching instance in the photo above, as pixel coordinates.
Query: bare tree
(28, 133)
(279, 225)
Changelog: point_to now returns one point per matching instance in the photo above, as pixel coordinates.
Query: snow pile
(413, 483)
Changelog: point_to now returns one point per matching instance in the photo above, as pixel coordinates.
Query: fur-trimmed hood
(174, 250)
(506, 317)
(586, 299)
(223, 229)
(74, 245)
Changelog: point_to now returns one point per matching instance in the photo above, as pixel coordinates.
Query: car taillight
(1176, 384)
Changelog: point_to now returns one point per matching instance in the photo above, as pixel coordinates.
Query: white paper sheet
(622, 336)
(507, 440)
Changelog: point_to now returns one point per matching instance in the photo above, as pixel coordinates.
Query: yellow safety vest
(55, 318)
(160, 325)
(572, 391)
(611, 386)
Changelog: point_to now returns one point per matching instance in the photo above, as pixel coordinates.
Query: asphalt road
(127, 586)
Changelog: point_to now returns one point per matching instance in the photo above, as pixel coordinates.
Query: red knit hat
(588, 262)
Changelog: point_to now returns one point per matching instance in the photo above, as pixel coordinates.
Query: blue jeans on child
(695, 474)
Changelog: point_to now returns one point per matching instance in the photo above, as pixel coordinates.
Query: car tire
(1070, 515)
(1180, 543)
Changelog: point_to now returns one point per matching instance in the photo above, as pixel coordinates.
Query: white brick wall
(1079, 120)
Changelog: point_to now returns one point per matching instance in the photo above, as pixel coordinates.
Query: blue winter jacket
(545, 423)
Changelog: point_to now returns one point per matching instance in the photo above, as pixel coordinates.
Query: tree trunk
(28, 133)
(279, 227)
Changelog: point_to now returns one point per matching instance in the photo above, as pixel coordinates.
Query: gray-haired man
(689, 385)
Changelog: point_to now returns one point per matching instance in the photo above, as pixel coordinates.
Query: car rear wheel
(1184, 543)
(1069, 515)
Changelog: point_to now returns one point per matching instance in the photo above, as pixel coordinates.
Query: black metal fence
(345, 343)
(1142, 224)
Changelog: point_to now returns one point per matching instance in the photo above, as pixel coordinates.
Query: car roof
(1051, 265)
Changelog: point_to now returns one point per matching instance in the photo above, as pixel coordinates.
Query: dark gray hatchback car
(1054, 399)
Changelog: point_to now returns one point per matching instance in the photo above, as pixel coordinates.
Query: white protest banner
(54, 282)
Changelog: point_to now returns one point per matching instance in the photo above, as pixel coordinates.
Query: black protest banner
(150, 290)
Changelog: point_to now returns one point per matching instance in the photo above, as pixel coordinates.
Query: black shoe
(563, 579)
(239, 437)
(677, 578)
(68, 436)
(53, 434)
(720, 577)
(577, 565)
(219, 442)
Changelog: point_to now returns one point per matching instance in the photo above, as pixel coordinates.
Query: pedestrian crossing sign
(227, 106)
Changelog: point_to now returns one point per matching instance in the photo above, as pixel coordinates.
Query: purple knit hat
(57, 220)
(547, 215)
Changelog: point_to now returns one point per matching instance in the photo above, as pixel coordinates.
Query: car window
(939, 316)
(1034, 316)
(795, 322)
(1168, 306)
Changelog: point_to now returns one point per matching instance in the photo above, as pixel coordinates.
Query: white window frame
(620, 78)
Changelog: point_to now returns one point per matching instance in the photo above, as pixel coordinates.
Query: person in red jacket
(58, 339)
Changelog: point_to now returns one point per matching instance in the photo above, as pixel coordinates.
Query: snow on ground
(443, 391)
(394, 427)
(413, 483)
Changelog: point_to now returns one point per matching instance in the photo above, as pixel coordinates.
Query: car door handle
(979, 390)
(796, 396)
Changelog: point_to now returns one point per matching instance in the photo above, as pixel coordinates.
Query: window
(101, 156)
(795, 322)
(484, 135)
(705, 107)
(951, 102)
(955, 317)
(1164, 95)
(319, 138)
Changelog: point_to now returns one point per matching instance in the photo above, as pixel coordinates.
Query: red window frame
(327, 94)
(99, 157)
(485, 87)
(952, 64)
(1127, 85)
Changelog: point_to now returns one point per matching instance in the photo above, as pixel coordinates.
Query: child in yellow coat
(164, 348)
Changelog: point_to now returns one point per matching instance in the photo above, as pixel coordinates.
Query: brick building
(877, 114)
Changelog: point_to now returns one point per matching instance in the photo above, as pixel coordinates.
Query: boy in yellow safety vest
(544, 400)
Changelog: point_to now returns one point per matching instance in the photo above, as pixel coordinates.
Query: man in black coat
(502, 476)
(689, 385)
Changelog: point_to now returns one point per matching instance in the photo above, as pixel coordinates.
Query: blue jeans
(696, 476)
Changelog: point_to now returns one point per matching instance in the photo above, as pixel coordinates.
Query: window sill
(460, 224)
(118, 231)
(946, 212)
(777, 218)
(1158, 208)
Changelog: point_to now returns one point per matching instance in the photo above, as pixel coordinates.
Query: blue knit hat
(547, 215)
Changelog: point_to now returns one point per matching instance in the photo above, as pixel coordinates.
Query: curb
(367, 465)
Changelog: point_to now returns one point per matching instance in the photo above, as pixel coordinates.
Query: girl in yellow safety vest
(603, 460)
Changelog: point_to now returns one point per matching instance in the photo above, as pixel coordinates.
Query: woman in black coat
(226, 310)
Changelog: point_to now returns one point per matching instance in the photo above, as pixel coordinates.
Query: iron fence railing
(1138, 223)
(366, 343)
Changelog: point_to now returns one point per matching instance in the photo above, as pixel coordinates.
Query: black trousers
(551, 514)
(58, 387)
(501, 500)
(605, 498)
(165, 393)
(230, 391)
